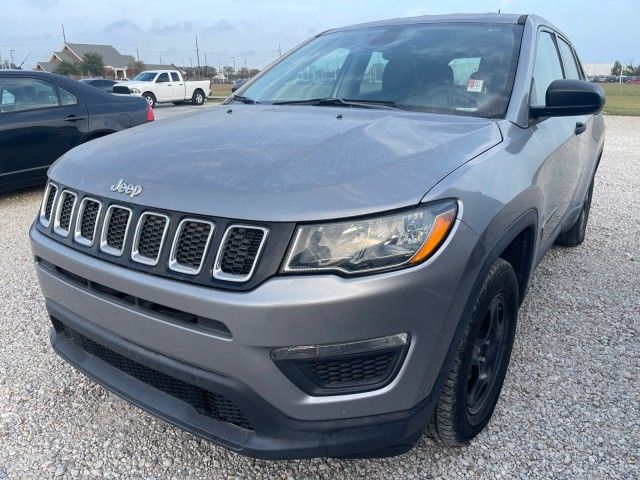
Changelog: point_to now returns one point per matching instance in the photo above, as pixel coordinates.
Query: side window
(568, 60)
(66, 97)
(547, 68)
(20, 94)
(372, 77)
(163, 78)
(175, 77)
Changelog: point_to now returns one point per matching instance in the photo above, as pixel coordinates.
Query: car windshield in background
(460, 69)
(145, 76)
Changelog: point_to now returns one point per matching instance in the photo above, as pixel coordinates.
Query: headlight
(134, 90)
(360, 246)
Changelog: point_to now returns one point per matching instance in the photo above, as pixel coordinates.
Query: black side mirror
(566, 98)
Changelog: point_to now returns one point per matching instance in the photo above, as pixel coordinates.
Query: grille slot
(115, 229)
(47, 204)
(205, 402)
(64, 213)
(190, 245)
(149, 238)
(87, 221)
(239, 253)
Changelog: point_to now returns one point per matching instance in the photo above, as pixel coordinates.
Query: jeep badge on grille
(126, 188)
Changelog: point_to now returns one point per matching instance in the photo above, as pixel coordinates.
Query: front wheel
(475, 379)
(198, 97)
(150, 98)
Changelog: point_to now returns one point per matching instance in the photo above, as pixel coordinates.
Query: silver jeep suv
(333, 260)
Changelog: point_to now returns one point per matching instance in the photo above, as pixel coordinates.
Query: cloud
(220, 26)
(175, 27)
(121, 25)
(416, 12)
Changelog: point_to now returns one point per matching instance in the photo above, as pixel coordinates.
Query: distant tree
(629, 69)
(243, 72)
(229, 72)
(253, 72)
(135, 67)
(68, 68)
(616, 70)
(92, 64)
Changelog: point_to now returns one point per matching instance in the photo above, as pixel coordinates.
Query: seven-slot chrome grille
(219, 251)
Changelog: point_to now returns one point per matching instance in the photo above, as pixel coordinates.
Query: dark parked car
(334, 260)
(43, 115)
(101, 83)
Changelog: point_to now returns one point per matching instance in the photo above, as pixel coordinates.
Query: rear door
(38, 123)
(178, 86)
(559, 173)
(164, 88)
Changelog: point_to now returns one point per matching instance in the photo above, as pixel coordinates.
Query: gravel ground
(569, 408)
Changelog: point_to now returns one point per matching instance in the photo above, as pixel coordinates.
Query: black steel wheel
(474, 381)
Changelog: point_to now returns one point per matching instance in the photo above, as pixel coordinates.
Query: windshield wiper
(240, 98)
(331, 101)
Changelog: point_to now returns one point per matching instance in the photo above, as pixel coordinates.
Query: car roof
(480, 18)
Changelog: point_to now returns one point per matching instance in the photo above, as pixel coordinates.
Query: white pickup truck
(160, 86)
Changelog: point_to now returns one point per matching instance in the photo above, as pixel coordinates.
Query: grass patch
(622, 99)
(221, 89)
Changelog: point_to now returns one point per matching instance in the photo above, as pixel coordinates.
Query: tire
(150, 98)
(577, 233)
(474, 382)
(198, 97)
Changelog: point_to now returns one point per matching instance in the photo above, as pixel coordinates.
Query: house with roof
(114, 61)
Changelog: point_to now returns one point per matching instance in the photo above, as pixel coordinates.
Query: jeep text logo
(126, 188)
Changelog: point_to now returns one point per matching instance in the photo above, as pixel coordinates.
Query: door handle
(168, 84)
(580, 128)
(73, 118)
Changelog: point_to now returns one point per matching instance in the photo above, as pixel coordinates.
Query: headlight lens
(360, 246)
(134, 90)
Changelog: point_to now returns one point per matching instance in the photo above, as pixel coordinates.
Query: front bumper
(284, 311)
(271, 434)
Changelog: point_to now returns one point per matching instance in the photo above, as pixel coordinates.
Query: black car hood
(280, 163)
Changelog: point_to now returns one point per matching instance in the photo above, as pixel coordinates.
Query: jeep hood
(279, 163)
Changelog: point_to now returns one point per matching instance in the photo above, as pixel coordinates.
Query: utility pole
(137, 55)
(245, 67)
(64, 37)
(161, 60)
(198, 55)
(11, 53)
(279, 50)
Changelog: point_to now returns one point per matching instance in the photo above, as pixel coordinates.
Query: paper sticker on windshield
(475, 85)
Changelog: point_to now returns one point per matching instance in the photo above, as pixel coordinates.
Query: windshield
(145, 76)
(463, 69)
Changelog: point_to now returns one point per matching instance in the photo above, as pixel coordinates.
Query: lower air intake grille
(240, 250)
(117, 227)
(353, 370)
(90, 210)
(205, 402)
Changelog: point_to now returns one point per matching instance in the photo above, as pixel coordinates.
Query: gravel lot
(570, 405)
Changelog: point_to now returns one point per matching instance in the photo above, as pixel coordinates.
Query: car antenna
(25, 59)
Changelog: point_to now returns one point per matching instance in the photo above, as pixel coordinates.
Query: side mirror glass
(565, 98)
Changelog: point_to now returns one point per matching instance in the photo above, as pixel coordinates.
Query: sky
(235, 30)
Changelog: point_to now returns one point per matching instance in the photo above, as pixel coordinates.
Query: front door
(39, 122)
(164, 88)
(560, 172)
